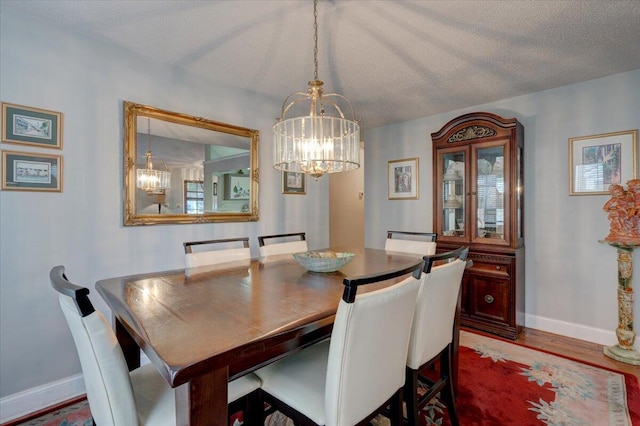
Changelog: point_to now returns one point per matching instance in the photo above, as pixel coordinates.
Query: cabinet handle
(497, 268)
(488, 298)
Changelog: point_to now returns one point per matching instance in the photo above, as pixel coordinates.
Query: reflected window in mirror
(194, 196)
(220, 159)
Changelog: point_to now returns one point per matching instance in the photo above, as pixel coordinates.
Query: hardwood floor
(580, 350)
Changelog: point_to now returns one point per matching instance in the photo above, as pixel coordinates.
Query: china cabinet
(478, 202)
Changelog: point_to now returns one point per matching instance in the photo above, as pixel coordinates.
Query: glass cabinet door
(453, 194)
(490, 190)
(519, 195)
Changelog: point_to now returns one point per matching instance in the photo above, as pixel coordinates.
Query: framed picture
(236, 186)
(597, 161)
(23, 125)
(403, 179)
(26, 171)
(293, 183)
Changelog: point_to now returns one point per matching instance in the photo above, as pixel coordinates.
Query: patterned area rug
(500, 384)
(503, 383)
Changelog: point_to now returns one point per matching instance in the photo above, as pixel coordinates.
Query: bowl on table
(323, 261)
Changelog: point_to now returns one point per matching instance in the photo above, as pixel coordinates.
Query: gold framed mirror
(184, 169)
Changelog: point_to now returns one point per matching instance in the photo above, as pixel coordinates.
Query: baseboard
(35, 399)
(575, 331)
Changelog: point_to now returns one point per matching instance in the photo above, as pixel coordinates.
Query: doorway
(346, 206)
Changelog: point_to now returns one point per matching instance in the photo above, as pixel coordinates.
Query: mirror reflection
(185, 169)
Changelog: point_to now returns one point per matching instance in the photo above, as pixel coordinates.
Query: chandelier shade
(153, 181)
(150, 180)
(316, 145)
(324, 141)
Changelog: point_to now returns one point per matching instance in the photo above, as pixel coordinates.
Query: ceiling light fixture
(150, 180)
(317, 143)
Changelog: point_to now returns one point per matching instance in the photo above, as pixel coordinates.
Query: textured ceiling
(395, 60)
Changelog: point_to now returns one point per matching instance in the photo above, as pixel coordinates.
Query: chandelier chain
(317, 143)
(148, 134)
(315, 38)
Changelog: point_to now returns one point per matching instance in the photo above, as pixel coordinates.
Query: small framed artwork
(293, 183)
(236, 186)
(403, 179)
(23, 125)
(26, 171)
(598, 161)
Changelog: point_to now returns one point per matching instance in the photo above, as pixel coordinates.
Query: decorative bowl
(323, 261)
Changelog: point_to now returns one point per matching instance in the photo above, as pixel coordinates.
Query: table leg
(130, 348)
(203, 401)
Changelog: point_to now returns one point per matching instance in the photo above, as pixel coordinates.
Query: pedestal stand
(624, 350)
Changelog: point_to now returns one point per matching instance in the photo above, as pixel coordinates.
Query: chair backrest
(283, 244)
(423, 243)
(105, 371)
(432, 328)
(368, 348)
(194, 257)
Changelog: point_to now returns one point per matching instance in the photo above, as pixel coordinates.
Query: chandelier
(320, 142)
(148, 179)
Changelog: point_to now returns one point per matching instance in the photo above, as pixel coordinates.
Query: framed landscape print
(403, 179)
(598, 161)
(31, 126)
(293, 183)
(28, 171)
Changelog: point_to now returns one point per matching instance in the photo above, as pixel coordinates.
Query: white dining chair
(360, 370)
(271, 245)
(423, 243)
(200, 253)
(116, 396)
(432, 332)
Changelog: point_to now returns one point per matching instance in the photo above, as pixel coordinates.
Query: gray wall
(81, 227)
(571, 278)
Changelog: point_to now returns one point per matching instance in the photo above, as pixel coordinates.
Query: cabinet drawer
(489, 298)
(498, 269)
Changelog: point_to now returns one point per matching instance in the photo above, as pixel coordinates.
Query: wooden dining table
(202, 327)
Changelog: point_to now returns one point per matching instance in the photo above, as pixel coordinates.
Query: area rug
(500, 383)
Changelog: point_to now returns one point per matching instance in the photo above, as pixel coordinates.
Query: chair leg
(253, 412)
(396, 415)
(447, 392)
(411, 398)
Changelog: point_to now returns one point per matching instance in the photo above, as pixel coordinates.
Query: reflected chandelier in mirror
(213, 168)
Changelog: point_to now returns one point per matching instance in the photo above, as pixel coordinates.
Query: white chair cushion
(368, 351)
(299, 380)
(155, 399)
(117, 396)
(342, 380)
(105, 371)
(432, 325)
(214, 257)
(424, 248)
(284, 248)
(242, 386)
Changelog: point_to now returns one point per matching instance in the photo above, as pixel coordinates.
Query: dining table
(202, 327)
